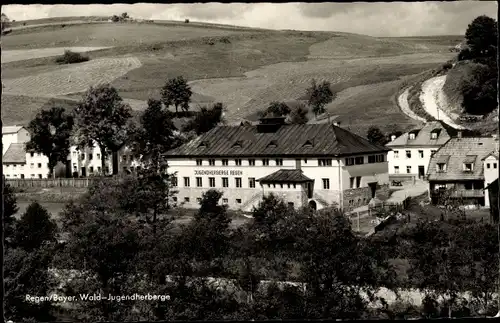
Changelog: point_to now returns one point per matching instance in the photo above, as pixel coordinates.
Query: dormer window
(434, 135)
(238, 144)
(203, 144)
(308, 144)
(468, 167)
(272, 144)
(440, 167)
(412, 136)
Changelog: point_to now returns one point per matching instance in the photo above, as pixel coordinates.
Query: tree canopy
(50, 133)
(176, 92)
(103, 118)
(376, 136)
(277, 109)
(298, 115)
(319, 95)
(205, 119)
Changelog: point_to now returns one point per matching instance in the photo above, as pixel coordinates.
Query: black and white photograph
(250, 161)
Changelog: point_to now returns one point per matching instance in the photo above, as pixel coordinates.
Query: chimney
(459, 134)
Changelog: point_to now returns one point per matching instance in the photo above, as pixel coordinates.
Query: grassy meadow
(243, 68)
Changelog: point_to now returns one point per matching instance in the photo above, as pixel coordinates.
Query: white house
(313, 164)
(490, 170)
(17, 163)
(13, 134)
(412, 151)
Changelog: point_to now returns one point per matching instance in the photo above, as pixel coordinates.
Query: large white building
(13, 134)
(313, 164)
(412, 151)
(17, 163)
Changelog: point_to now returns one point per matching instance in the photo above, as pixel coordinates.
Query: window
(396, 169)
(349, 161)
(187, 182)
(211, 181)
(225, 201)
(211, 162)
(15, 166)
(8, 175)
(408, 154)
(238, 181)
(98, 156)
(412, 136)
(237, 162)
(359, 160)
(174, 180)
(98, 169)
(251, 182)
(82, 156)
(324, 162)
(372, 159)
(32, 154)
(279, 162)
(47, 165)
(380, 158)
(32, 165)
(91, 156)
(408, 169)
(7, 166)
(434, 135)
(186, 199)
(198, 199)
(39, 175)
(495, 165)
(305, 160)
(265, 162)
(199, 182)
(488, 165)
(468, 167)
(32, 175)
(39, 165)
(281, 185)
(225, 182)
(91, 169)
(326, 183)
(199, 162)
(468, 185)
(238, 201)
(225, 162)
(251, 162)
(432, 152)
(396, 154)
(38, 154)
(358, 181)
(421, 153)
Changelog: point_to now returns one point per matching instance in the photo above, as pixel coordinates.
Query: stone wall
(356, 197)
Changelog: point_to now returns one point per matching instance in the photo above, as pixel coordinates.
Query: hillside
(244, 68)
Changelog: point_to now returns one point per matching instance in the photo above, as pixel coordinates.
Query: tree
(176, 92)
(375, 136)
(319, 95)
(125, 16)
(277, 109)
(103, 118)
(50, 132)
(479, 90)
(481, 37)
(9, 210)
(298, 115)
(34, 228)
(155, 134)
(5, 21)
(206, 119)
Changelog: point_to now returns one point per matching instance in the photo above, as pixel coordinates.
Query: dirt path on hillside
(405, 107)
(432, 100)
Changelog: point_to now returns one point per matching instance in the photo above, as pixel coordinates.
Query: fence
(49, 182)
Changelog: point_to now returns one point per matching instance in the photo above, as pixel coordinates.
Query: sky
(374, 19)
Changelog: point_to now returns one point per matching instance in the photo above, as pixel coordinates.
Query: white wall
(414, 162)
(490, 174)
(35, 167)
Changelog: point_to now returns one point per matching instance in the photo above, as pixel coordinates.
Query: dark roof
(285, 175)
(459, 151)
(423, 136)
(492, 185)
(15, 154)
(325, 139)
(491, 154)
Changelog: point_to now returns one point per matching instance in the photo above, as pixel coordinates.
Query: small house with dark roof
(412, 150)
(457, 170)
(13, 134)
(318, 165)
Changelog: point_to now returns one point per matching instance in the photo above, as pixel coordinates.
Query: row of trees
(122, 240)
(103, 118)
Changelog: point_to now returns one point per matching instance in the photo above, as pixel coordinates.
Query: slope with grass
(244, 68)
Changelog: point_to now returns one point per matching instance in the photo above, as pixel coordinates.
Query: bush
(186, 21)
(70, 57)
(447, 66)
